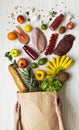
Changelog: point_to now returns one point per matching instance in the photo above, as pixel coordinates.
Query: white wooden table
(69, 94)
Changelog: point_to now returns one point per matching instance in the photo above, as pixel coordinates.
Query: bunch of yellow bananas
(57, 64)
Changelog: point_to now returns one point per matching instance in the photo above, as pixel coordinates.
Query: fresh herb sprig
(28, 13)
(10, 58)
(29, 79)
(54, 13)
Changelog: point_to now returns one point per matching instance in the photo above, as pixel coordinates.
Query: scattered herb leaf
(15, 64)
(54, 13)
(7, 54)
(10, 57)
(27, 12)
(50, 19)
(28, 19)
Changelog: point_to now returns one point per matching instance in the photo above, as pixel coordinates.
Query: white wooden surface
(69, 94)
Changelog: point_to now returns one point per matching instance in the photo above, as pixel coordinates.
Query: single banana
(62, 60)
(50, 72)
(59, 69)
(50, 65)
(58, 61)
(69, 64)
(54, 62)
(48, 68)
(50, 75)
(65, 61)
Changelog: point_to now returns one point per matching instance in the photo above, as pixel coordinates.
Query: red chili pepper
(51, 45)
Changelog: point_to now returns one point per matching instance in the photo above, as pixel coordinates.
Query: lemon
(27, 28)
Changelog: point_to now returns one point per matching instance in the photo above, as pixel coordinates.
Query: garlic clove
(32, 10)
(48, 14)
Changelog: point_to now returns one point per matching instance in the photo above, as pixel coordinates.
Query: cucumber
(42, 61)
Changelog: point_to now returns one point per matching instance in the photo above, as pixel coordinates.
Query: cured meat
(64, 45)
(39, 39)
(56, 22)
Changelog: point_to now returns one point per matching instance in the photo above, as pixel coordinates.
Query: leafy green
(15, 64)
(7, 54)
(51, 85)
(29, 79)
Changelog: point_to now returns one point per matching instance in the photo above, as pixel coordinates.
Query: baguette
(18, 81)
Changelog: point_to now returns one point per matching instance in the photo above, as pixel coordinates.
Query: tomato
(21, 19)
(22, 63)
(12, 35)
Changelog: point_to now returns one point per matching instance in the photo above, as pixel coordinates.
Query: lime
(34, 65)
(43, 26)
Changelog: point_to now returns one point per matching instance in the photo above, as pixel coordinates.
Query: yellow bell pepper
(40, 74)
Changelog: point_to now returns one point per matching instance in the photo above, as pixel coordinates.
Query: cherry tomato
(22, 63)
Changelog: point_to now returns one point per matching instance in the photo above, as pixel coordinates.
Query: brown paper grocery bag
(38, 111)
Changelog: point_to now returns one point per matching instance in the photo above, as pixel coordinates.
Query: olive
(62, 30)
